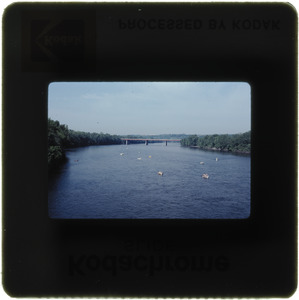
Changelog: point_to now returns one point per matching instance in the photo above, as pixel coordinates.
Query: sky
(144, 108)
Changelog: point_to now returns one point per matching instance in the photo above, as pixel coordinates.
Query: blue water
(97, 182)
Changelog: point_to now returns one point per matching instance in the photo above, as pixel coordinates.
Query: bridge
(146, 141)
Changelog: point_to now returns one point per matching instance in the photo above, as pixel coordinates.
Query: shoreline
(219, 150)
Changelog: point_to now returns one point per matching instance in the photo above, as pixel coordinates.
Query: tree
(60, 138)
(224, 142)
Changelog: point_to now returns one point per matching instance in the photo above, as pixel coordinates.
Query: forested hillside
(60, 138)
(224, 142)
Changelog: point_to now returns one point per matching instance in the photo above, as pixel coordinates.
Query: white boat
(201, 163)
(160, 173)
(206, 176)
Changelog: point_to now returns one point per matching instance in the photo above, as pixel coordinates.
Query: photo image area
(149, 150)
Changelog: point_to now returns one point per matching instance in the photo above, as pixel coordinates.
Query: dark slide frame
(254, 43)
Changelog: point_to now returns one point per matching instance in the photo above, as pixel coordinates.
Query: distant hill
(157, 136)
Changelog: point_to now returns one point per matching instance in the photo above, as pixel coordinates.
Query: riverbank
(221, 150)
(231, 143)
(60, 137)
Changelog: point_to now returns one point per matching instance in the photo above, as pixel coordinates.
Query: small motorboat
(206, 176)
(216, 158)
(160, 173)
(122, 154)
(139, 158)
(201, 163)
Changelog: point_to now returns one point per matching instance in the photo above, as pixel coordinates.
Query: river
(122, 182)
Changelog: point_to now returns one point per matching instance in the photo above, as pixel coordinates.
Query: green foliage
(60, 138)
(190, 141)
(55, 155)
(58, 135)
(79, 139)
(224, 142)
